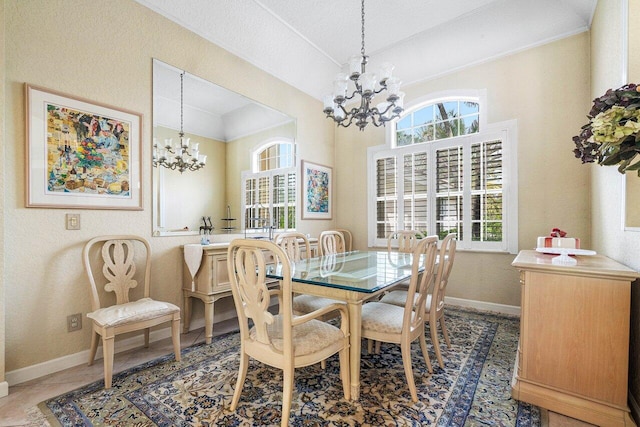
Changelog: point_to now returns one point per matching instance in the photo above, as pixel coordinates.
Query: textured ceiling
(306, 42)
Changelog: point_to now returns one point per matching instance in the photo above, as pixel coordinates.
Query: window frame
(504, 131)
(255, 173)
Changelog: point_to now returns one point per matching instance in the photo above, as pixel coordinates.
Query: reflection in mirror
(631, 195)
(228, 128)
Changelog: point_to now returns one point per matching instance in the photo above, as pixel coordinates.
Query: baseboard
(49, 367)
(483, 306)
(65, 362)
(4, 388)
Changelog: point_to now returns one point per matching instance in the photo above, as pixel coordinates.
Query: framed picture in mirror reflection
(317, 182)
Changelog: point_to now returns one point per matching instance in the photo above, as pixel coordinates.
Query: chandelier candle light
(365, 87)
(177, 155)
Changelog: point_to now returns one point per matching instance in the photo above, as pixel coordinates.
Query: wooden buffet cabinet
(573, 354)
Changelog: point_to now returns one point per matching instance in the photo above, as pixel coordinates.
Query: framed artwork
(81, 154)
(316, 191)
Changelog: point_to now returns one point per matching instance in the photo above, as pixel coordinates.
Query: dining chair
(435, 300)
(294, 244)
(402, 241)
(116, 257)
(382, 322)
(348, 239)
(283, 340)
(331, 242)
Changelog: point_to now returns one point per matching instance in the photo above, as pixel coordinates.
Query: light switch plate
(73, 221)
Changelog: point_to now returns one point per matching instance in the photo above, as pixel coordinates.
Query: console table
(210, 283)
(573, 354)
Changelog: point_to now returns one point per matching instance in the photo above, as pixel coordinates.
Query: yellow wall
(609, 237)
(3, 385)
(192, 195)
(546, 89)
(102, 50)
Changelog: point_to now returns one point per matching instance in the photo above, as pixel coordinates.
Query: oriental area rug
(473, 389)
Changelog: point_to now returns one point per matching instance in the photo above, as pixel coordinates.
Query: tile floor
(22, 397)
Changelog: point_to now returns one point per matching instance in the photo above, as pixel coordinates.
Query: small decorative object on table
(556, 243)
(612, 136)
(557, 239)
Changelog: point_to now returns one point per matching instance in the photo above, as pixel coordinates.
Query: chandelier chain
(362, 50)
(181, 103)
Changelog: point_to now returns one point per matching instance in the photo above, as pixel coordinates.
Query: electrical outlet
(73, 221)
(74, 322)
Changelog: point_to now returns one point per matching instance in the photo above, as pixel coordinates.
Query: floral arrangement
(612, 136)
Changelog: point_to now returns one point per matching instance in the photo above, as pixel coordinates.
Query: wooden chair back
(247, 264)
(446, 257)
(402, 241)
(117, 264)
(348, 239)
(294, 245)
(424, 256)
(331, 242)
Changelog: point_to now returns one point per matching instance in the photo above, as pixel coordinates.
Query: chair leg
(323, 364)
(445, 332)
(146, 337)
(175, 337)
(107, 352)
(378, 347)
(344, 373)
(408, 371)
(242, 374)
(94, 347)
(436, 343)
(287, 393)
(369, 346)
(425, 353)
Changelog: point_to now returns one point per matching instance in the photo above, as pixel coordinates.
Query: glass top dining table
(352, 277)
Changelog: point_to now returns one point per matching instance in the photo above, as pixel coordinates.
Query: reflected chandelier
(365, 83)
(177, 155)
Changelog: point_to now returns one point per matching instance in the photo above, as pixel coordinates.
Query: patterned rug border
(454, 414)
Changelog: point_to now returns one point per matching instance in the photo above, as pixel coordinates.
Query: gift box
(558, 242)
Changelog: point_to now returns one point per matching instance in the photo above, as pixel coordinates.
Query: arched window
(269, 189)
(445, 170)
(438, 120)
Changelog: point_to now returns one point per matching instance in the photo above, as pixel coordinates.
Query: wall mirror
(227, 127)
(631, 201)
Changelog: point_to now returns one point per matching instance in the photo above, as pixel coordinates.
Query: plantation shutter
(415, 192)
(486, 192)
(386, 196)
(449, 192)
(284, 200)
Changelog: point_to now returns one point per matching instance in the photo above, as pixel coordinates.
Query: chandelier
(365, 88)
(177, 155)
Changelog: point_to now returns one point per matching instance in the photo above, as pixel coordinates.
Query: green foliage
(612, 136)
